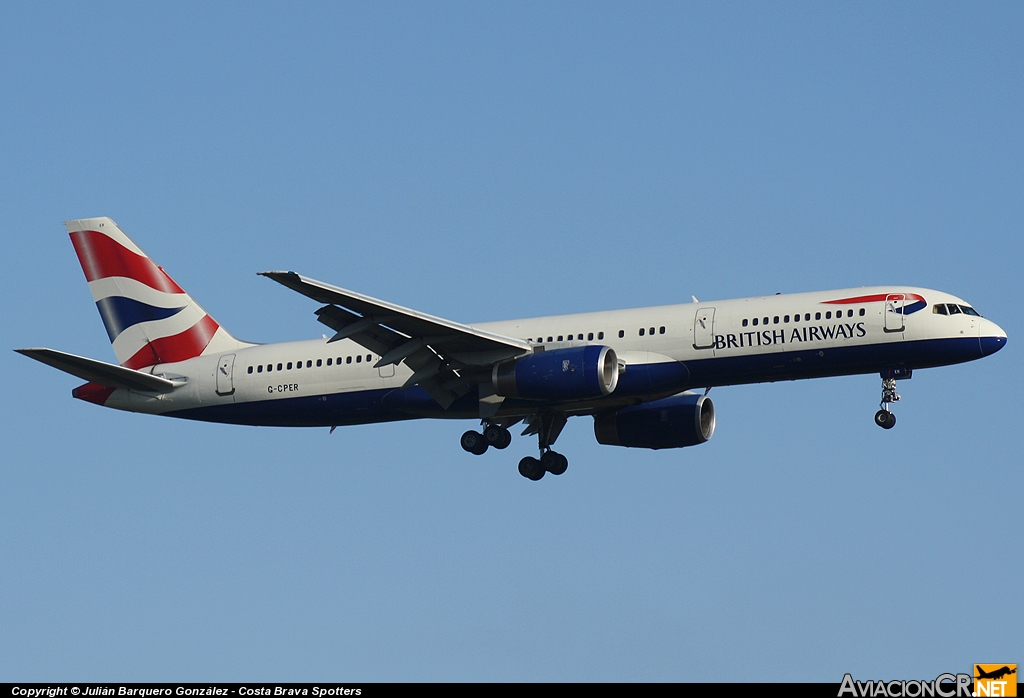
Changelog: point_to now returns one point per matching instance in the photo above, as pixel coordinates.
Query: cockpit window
(939, 309)
(968, 310)
(953, 309)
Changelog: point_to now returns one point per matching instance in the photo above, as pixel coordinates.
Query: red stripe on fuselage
(101, 257)
(875, 298)
(178, 347)
(93, 392)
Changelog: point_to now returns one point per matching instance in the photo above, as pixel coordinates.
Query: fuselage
(664, 350)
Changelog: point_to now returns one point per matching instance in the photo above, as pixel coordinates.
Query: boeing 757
(642, 374)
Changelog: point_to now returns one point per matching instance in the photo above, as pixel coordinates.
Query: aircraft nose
(992, 337)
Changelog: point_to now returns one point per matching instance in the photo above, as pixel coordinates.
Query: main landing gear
(884, 418)
(546, 426)
(549, 462)
(493, 435)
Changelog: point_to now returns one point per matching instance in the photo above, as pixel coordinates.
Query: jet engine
(576, 373)
(686, 419)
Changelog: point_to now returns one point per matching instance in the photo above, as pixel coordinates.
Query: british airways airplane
(633, 371)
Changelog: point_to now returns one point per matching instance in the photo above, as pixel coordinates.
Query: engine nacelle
(577, 373)
(686, 419)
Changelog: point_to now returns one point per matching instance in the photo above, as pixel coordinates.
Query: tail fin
(149, 318)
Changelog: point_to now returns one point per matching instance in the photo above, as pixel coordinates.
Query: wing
(447, 358)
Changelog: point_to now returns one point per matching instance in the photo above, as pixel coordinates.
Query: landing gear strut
(884, 418)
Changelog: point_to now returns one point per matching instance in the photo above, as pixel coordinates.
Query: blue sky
(489, 162)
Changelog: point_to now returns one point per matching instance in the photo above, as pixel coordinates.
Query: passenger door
(225, 383)
(704, 329)
(894, 304)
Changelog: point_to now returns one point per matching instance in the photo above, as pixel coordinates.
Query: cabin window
(661, 330)
(590, 336)
(652, 331)
(744, 322)
(359, 359)
(559, 338)
(862, 312)
(259, 369)
(755, 322)
(328, 362)
(776, 320)
(622, 333)
(849, 313)
(250, 369)
(289, 365)
(641, 331)
(319, 362)
(348, 359)
(298, 364)
(369, 356)
(817, 316)
(796, 318)
(600, 335)
(765, 321)
(785, 319)
(828, 315)
(339, 361)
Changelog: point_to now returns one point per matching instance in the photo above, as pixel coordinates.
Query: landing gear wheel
(474, 442)
(885, 419)
(554, 463)
(496, 436)
(531, 468)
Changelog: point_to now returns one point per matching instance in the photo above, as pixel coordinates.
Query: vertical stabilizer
(149, 318)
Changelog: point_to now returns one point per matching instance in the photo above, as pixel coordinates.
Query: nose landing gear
(884, 418)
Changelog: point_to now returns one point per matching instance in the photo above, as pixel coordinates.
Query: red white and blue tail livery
(641, 374)
(149, 318)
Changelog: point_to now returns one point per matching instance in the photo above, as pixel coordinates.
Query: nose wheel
(884, 418)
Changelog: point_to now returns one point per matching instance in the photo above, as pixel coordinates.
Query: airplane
(996, 674)
(637, 372)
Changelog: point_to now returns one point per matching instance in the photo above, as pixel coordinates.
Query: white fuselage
(665, 349)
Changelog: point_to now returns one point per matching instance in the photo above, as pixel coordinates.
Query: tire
(892, 421)
(554, 463)
(882, 418)
(493, 435)
(473, 442)
(531, 469)
(506, 439)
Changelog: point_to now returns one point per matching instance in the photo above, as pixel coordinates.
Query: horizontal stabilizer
(100, 372)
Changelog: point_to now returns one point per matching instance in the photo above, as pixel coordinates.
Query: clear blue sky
(489, 161)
